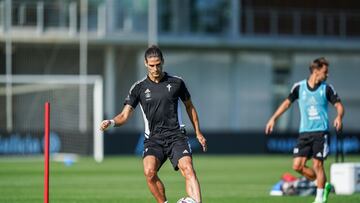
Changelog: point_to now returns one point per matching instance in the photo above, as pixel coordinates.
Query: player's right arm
(118, 120)
(131, 101)
(280, 110)
(294, 95)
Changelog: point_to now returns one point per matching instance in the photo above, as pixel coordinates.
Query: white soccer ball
(186, 200)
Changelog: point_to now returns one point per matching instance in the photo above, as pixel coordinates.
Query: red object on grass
(287, 177)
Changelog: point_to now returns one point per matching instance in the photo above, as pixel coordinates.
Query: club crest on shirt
(147, 94)
(169, 87)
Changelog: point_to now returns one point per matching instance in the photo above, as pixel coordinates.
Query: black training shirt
(159, 104)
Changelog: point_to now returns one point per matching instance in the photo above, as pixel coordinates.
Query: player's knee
(150, 174)
(188, 171)
(298, 168)
(318, 165)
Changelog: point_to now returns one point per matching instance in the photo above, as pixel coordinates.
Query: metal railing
(126, 16)
(40, 16)
(299, 22)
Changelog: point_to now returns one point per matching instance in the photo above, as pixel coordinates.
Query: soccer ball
(186, 200)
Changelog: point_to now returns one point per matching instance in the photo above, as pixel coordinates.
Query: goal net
(76, 112)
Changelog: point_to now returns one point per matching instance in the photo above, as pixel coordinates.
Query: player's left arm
(340, 114)
(334, 98)
(193, 116)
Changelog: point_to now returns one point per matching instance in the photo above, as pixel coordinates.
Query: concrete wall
(231, 89)
(54, 59)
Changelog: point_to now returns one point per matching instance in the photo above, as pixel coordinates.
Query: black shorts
(312, 145)
(173, 147)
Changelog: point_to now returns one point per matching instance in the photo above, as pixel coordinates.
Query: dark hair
(153, 51)
(318, 64)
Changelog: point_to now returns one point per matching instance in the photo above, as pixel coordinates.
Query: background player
(158, 95)
(313, 95)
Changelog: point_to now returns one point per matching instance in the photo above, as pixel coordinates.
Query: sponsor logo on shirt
(147, 94)
(313, 113)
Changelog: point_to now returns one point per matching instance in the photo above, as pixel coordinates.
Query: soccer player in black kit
(158, 95)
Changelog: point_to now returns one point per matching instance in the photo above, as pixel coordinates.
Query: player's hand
(269, 126)
(202, 141)
(106, 124)
(338, 124)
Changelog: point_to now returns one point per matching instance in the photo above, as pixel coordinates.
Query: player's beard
(157, 74)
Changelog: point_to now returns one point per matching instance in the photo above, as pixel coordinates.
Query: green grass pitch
(224, 179)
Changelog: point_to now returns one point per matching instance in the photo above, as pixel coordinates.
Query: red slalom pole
(46, 152)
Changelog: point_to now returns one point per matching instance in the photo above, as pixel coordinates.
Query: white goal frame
(96, 80)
